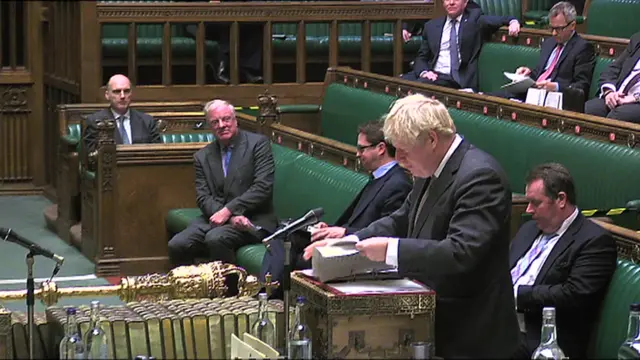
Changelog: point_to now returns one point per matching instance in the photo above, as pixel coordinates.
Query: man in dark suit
(620, 87)
(450, 48)
(559, 259)
(452, 232)
(566, 59)
(234, 191)
(412, 28)
(384, 194)
(132, 126)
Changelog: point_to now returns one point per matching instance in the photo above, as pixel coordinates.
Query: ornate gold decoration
(279, 12)
(267, 105)
(184, 282)
(14, 99)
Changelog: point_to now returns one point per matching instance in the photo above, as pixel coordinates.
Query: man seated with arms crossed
(620, 87)
(451, 44)
(132, 126)
(566, 59)
(383, 194)
(234, 191)
(451, 233)
(559, 259)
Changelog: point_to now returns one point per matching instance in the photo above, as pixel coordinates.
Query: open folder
(519, 83)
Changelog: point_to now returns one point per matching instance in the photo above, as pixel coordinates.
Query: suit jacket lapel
(136, 123)
(439, 26)
(116, 133)
(520, 246)
(439, 186)
(371, 194)
(215, 163)
(565, 52)
(416, 201)
(237, 154)
(563, 243)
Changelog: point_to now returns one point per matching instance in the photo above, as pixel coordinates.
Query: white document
(554, 100)
(341, 260)
(260, 346)
(519, 83)
(536, 96)
(379, 286)
(242, 350)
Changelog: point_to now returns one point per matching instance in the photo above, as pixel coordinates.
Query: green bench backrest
(540, 4)
(606, 175)
(344, 108)
(496, 58)
(611, 329)
(614, 18)
(501, 7)
(601, 64)
(202, 136)
(303, 183)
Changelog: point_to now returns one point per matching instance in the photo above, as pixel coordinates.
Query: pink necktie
(548, 72)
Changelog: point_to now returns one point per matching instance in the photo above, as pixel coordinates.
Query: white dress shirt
(443, 64)
(529, 277)
(392, 245)
(126, 121)
(634, 89)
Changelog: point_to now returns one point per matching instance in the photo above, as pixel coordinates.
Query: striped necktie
(523, 264)
(122, 130)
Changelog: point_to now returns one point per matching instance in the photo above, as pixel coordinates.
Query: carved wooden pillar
(267, 112)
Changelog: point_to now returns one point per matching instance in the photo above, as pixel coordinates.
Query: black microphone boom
(10, 235)
(310, 218)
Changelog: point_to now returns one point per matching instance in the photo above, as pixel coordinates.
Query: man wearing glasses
(384, 194)
(566, 59)
(132, 126)
(234, 191)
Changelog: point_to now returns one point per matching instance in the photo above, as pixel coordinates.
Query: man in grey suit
(234, 191)
(132, 126)
(452, 232)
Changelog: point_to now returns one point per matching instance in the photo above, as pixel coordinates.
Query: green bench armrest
(299, 109)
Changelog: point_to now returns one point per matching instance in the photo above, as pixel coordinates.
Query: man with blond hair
(234, 191)
(452, 232)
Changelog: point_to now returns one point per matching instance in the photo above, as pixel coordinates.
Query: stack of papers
(341, 260)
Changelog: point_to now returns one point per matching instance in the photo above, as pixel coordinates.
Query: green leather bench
(611, 329)
(301, 183)
(602, 183)
(613, 18)
(496, 58)
(343, 109)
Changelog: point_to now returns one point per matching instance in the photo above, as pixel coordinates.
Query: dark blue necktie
(123, 131)
(453, 52)
(226, 157)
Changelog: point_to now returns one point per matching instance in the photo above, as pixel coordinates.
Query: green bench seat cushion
(600, 182)
(611, 329)
(496, 58)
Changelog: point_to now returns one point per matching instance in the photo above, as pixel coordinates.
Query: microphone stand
(286, 287)
(30, 302)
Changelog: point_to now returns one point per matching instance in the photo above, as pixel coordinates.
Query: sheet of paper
(379, 286)
(519, 83)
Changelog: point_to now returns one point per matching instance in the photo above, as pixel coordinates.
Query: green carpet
(23, 214)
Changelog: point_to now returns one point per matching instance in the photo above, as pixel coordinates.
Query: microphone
(10, 235)
(310, 218)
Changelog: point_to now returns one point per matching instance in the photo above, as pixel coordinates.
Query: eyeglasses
(362, 148)
(559, 28)
(119, 91)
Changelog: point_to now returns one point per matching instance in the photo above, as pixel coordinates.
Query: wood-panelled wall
(21, 122)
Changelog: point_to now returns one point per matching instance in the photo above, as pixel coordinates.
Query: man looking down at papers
(566, 59)
(451, 233)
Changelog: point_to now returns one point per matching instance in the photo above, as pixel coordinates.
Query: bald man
(132, 126)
